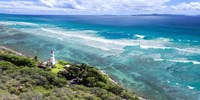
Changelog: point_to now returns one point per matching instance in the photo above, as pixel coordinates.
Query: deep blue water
(157, 57)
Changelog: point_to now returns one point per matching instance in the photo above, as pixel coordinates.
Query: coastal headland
(22, 78)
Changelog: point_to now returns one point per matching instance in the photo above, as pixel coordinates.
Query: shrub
(42, 77)
(13, 90)
(91, 77)
(31, 96)
(6, 66)
(71, 72)
(18, 60)
(115, 89)
(105, 95)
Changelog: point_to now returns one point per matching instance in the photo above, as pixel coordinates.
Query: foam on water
(190, 50)
(8, 23)
(190, 87)
(116, 46)
(179, 60)
(89, 37)
(153, 47)
(139, 36)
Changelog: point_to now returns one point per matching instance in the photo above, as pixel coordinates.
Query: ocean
(157, 57)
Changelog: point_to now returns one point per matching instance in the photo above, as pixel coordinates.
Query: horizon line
(153, 14)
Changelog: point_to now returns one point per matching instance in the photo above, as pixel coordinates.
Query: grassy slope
(21, 79)
(58, 67)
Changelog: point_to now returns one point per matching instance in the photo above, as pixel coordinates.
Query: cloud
(82, 6)
(26, 7)
(70, 4)
(187, 6)
(103, 5)
(119, 7)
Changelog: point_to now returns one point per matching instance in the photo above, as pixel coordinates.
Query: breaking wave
(9, 23)
(90, 38)
(178, 61)
(139, 36)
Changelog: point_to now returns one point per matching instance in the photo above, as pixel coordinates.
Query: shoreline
(112, 80)
(11, 51)
(117, 83)
(8, 50)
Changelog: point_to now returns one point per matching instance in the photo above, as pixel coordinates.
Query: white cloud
(83, 6)
(187, 6)
(71, 4)
(26, 7)
(104, 4)
(96, 7)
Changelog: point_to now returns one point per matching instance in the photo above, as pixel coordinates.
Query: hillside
(22, 79)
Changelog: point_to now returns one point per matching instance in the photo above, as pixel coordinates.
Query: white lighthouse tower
(52, 59)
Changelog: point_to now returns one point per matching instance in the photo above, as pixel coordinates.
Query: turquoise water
(156, 56)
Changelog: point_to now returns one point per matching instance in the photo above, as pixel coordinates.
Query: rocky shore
(8, 50)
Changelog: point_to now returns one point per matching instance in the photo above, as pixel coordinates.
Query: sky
(100, 7)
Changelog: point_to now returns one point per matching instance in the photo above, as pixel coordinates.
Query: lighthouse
(52, 59)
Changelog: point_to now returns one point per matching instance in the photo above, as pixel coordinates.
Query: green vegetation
(59, 67)
(19, 61)
(92, 77)
(21, 78)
